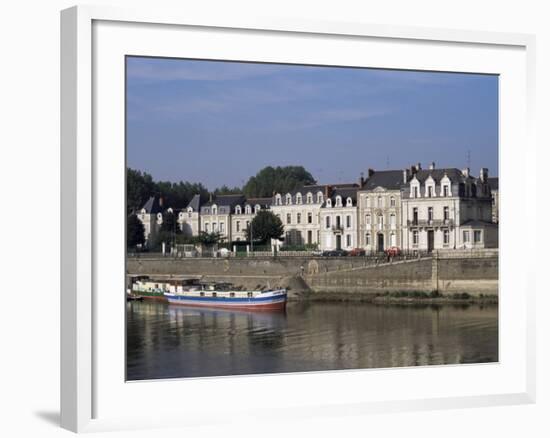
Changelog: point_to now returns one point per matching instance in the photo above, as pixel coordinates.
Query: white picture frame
(92, 396)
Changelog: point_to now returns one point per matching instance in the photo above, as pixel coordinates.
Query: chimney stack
(371, 172)
(432, 165)
(418, 167)
(362, 180)
(466, 172)
(405, 175)
(484, 174)
(161, 201)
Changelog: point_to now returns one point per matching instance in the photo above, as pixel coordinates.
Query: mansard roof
(388, 179)
(196, 202)
(345, 193)
(455, 175)
(152, 206)
(226, 200)
(263, 202)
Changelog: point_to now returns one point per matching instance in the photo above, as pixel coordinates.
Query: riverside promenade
(473, 272)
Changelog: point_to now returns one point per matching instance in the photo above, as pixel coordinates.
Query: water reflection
(174, 341)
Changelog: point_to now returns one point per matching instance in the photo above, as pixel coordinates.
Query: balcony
(337, 229)
(434, 223)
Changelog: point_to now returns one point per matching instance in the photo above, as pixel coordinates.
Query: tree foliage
(135, 232)
(169, 223)
(277, 179)
(139, 187)
(264, 227)
(210, 238)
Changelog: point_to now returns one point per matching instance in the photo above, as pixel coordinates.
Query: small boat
(225, 296)
(133, 297)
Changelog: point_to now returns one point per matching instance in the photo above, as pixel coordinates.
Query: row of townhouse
(414, 208)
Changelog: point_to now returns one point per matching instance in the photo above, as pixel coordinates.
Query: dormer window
(278, 200)
(256, 208)
(299, 198)
(430, 188)
(214, 210)
(349, 202)
(415, 189)
(338, 201)
(309, 198)
(248, 209)
(238, 209)
(392, 201)
(319, 198)
(329, 203)
(288, 199)
(446, 190)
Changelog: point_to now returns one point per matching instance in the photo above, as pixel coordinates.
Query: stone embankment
(444, 273)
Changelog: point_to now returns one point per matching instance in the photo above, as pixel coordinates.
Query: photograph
(285, 218)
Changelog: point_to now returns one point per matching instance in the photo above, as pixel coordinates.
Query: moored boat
(224, 295)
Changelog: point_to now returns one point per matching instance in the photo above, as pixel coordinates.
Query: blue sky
(220, 122)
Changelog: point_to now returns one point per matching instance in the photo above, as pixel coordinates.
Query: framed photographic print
(257, 208)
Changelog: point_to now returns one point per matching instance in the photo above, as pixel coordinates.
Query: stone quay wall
(469, 272)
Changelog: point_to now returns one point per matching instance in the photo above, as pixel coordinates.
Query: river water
(170, 341)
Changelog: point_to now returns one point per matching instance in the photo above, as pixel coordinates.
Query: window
(299, 218)
(445, 237)
(349, 202)
(379, 201)
(415, 237)
(446, 190)
(348, 240)
(348, 221)
(222, 227)
(299, 198)
(367, 219)
(309, 218)
(247, 209)
(380, 221)
(231, 294)
(256, 208)
(288, 218)
(309, 198)
(446, 213)
(238, 209)
(278, 200)
(430, 191)
(214, 210)
(393, 240)
(392, 222)
(327, 222)
(238, 225)
(329, 203)
(477, 236)
(430, 214)
(368, 202)
(309, 237)
(207, 227)
(466, 236)
(319, 198)
(288, 199)
(415, 192)
(392, 202)
(338, 201)
(214, 227)
(367, 239)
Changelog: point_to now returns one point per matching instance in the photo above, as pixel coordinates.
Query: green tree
(277, 179)
(169, 223)
(210, 238)
(139, 187)
(225, 190)
(264, 227)
(135, 232)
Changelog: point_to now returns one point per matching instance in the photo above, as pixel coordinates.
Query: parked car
(335, 253)
(393, 251)
(357, 252)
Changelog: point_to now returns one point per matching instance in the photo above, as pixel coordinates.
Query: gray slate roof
(493, 182)
(455, 175)
(388, 179)
(196, 202)
(152, 206)
(227, 200)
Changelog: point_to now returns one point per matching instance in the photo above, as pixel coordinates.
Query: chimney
(466, 172)
(418, 167)
(371, 172)
(210, 197)
(432, 165)
(405, 175)
(484, 174)
(328, 191)
(362, 180)
(161, 201)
